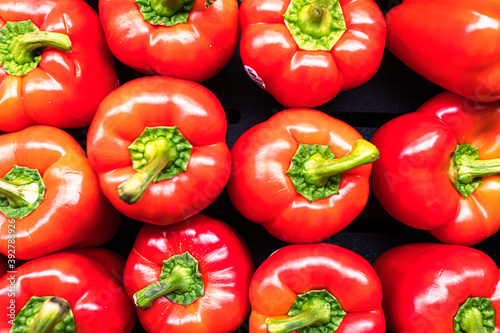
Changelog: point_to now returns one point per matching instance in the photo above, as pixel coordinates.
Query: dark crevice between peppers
(180, 282)
(21, 191)
(315, 24)
(159, 153)
(466, 169)
(476, 315)
(316, 173)
(45, 315)
(315, 311)
(21, 45)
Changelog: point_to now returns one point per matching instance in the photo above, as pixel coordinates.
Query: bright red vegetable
(174, 133)
(438, 169)
(55, 66)
(88, 281)
(303, 58)
(439, 288)
(171, 38)
(323, 287)
(286, 177)
(455, 44)
(49, 195)
(192, 276)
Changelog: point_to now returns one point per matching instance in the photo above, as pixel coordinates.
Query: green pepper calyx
(159, 153)
(466, 169)
(315, 24)
(21, 192)
(475, 315)
(180, 282)
(165, 12)
(316, 173)
(21, 45)
(315, 311)
(47, 314)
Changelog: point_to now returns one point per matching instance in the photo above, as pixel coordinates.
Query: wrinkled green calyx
(22, 43)
(296, 172)
(316, 173)
(476, 315)
(180, 282)
(21, 191)
(315, 24)
(315, 311)
(43, 315)
(466, 169)
(146, 147)
(165, 12)
(159, 153)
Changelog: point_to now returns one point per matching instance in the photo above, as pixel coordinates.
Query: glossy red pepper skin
(90, 280)
(196, 50)
(224, 262)
(452, 43)
(74, 212)
(300, 78)
(161, 101)
(296, 269)
(262, 191)
(410, 179)
(66, 88)
(424, 285)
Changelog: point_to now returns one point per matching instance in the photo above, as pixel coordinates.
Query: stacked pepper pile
(112, 193)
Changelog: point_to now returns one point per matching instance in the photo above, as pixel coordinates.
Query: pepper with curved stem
(315, 312)
(132, 190)
(180, 280)
(19, 195)
(21, 42)
(52, 312)
(23, 46)
(317, 169)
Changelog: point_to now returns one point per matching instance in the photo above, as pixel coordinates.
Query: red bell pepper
(300, 175)
(305, 52)
(173, 132)
(49, 195)
(454, 44)
(438, 169)
(189, 39)
(192, 276)
(81, 291)
(317, 287)
(55, 66)
(439, 288)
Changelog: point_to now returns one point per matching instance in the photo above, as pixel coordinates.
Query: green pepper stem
(478, 168)
(19, 195)
(472, 321)
(317, 169)
(52, 312)
(179, 280)
(314, 312)
(132, 190)
(22, 47)
(166, 8)
(315, 20)
(317, 9)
